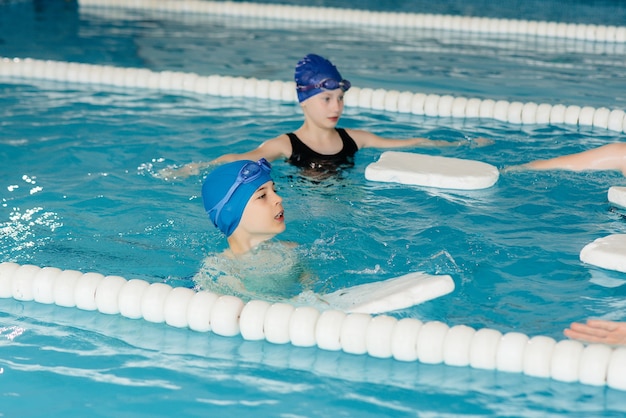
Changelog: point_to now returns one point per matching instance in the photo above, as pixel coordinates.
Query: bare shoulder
(271, 149)
(277, 147)
(279, 140)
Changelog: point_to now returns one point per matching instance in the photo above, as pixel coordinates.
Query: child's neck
(311, 130)
(241, 245)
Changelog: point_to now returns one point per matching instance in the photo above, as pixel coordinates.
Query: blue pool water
(79, 192)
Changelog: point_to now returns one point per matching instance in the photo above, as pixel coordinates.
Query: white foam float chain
(379, 99)
(588, 32)
(380, 336)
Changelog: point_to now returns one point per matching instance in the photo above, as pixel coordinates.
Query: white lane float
(302, 325)
(404, 339)
(252, 319)
(432, 105)
(358, 333)
(130, 296)
(458, 336)
(85, 291)
(510, 355)
(470, 24)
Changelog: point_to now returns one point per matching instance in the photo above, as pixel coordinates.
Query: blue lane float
(380, 336)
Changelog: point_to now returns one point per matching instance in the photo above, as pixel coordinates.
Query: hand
(598, 331)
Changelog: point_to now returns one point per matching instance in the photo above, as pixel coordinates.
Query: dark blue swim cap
(311, 71)
(227, 190)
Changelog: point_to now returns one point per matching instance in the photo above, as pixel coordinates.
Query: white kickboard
(617, 196)
(390, 295)
(607, 252)
(432, 171)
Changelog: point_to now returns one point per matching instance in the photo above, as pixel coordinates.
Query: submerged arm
(272, 149)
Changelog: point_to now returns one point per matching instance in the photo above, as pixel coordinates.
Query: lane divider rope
(588, 32)
(432, 105)
(379, 336)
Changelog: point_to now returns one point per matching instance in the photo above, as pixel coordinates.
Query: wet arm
(366, 139)
(270, 150)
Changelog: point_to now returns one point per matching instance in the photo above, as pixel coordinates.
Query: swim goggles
(247, 174)
(327, 84)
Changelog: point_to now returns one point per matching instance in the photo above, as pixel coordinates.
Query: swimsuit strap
(349, 146)
(297, 146)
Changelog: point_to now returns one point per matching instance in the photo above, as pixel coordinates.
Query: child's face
(325, 108)
(264, 214)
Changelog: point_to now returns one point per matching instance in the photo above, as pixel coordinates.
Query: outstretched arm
(598, 331)
(365, 139)
(607, 157)
(270, 150)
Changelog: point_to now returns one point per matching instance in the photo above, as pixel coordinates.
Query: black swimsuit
(304, 157)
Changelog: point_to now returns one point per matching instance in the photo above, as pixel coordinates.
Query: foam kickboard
(607, 252)
(391, 294)
(432, 171)
(617, 195)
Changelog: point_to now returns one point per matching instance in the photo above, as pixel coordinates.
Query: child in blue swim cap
(314, 75)
(318, 145)
(241, 201)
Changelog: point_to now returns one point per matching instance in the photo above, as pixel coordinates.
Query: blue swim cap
(311, 71)
(239, 179)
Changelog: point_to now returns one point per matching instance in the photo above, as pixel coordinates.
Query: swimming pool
(90, 205)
